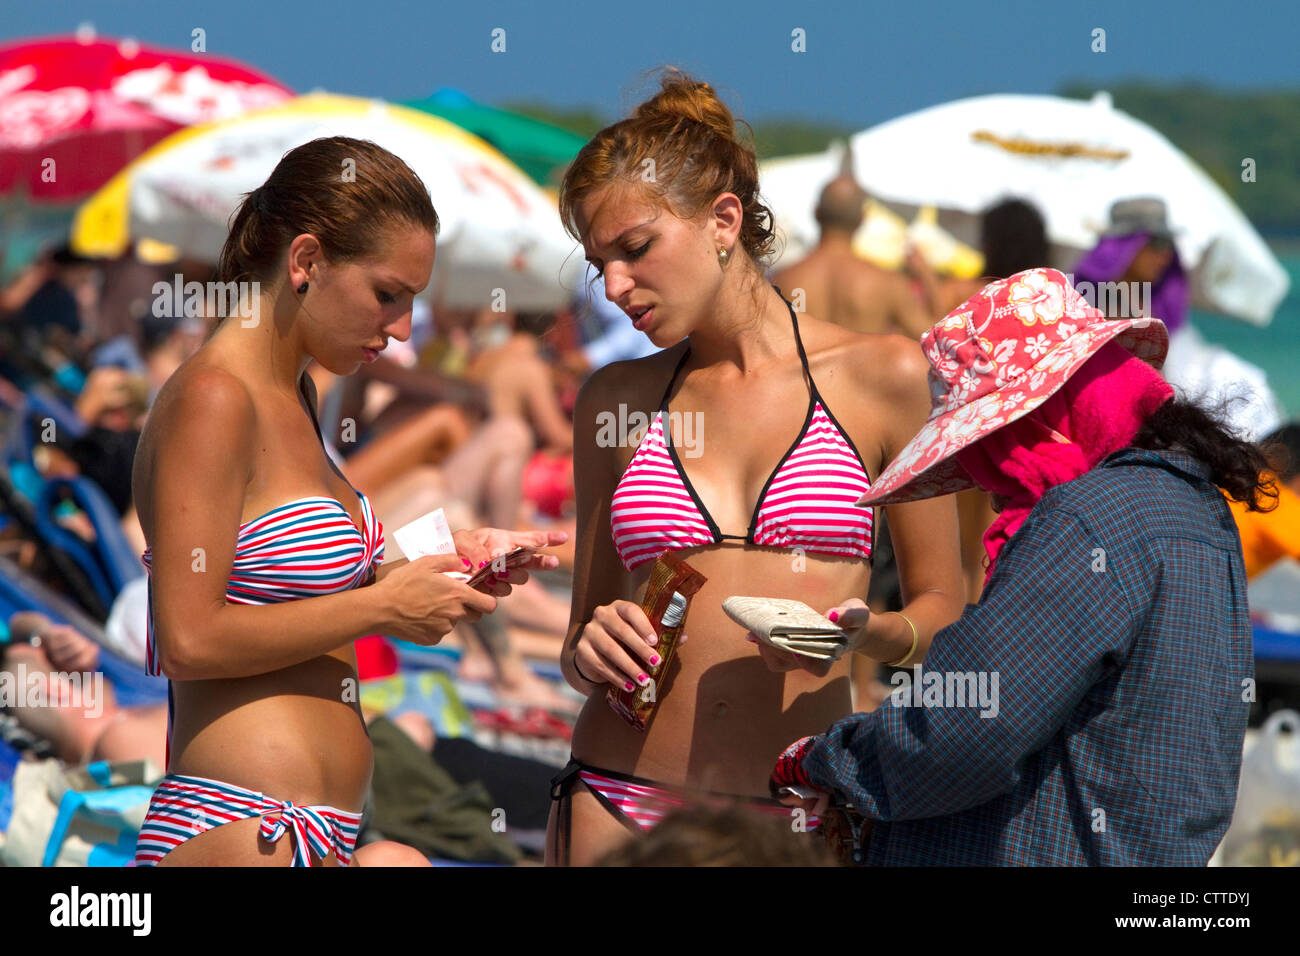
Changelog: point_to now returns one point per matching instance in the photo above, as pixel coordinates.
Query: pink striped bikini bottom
(640, 804)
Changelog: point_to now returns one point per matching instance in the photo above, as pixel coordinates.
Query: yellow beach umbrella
(944, 253)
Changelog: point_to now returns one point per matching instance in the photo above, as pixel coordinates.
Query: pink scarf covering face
(1098, 411)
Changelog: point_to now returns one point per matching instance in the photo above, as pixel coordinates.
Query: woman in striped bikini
(741, 437)
(263, 559)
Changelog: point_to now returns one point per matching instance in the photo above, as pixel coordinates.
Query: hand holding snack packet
(627, 646)
(616, 646)
(669, 589)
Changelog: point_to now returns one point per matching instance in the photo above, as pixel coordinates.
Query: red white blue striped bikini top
(303, 548)
(807, 502)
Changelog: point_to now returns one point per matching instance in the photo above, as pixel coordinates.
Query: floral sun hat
(994, 359)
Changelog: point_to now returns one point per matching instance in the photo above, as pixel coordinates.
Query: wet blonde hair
(689, 138)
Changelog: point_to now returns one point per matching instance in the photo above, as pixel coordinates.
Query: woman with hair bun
(263, 559)
(765, 427)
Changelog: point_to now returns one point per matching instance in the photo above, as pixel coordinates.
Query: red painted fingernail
(834, 616)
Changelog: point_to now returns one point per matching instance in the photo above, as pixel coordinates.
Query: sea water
(1275, 348)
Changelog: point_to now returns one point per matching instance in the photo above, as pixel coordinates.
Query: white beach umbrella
(791, 185)
(1072, 159)
(498, 230)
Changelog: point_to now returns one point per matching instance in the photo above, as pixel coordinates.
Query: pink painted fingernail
(751, 639)
(481, 563)
(628, 685)
(654, 659)
(641, 678)
(468, 562)
(834, 616)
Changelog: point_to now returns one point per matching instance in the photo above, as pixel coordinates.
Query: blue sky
(864, 62)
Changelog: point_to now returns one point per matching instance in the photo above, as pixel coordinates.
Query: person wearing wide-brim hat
(1091, 708)
(1138, 246)
(1135, 269)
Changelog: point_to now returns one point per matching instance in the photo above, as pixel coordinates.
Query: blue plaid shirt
(1116, 625)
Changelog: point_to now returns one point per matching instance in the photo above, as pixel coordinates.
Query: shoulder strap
(663, 402)
(798, 341)
(803, 356)
(310, 411)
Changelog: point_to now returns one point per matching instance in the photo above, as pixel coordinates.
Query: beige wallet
(789, 626)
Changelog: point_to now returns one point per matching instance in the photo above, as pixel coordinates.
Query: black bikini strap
(803, 356)
(302, 390)
(562, 791)
(663, 402)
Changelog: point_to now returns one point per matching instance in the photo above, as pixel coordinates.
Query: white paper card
(428, 534)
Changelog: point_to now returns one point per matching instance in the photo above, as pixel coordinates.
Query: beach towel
(431, 693)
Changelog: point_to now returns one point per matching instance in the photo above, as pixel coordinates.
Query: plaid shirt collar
(1170, 459)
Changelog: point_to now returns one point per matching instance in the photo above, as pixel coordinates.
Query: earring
(723, 256)
(302, 289)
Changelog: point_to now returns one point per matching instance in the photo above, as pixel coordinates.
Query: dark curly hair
(1239, 467)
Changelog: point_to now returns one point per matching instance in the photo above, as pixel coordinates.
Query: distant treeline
(1218, 129)
(772, 137)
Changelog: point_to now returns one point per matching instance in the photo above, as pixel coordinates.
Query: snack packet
(666, 603)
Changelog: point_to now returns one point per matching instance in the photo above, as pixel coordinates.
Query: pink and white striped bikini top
(303, 548)
(808, 501)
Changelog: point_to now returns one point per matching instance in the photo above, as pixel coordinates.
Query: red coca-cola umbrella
(75, 111)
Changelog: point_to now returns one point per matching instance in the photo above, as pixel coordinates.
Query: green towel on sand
(416, 802)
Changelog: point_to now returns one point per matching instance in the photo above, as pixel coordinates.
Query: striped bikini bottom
(182, 807)
(640, 804)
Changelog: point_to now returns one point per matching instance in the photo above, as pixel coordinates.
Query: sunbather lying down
(60, 695)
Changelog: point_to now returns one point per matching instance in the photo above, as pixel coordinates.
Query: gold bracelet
(915, 640)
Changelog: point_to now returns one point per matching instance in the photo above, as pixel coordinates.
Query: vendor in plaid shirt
(1113, 617)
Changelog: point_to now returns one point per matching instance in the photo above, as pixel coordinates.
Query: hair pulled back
(345, 192)
(680, 149)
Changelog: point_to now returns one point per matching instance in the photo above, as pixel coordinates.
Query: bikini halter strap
(798, 341)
